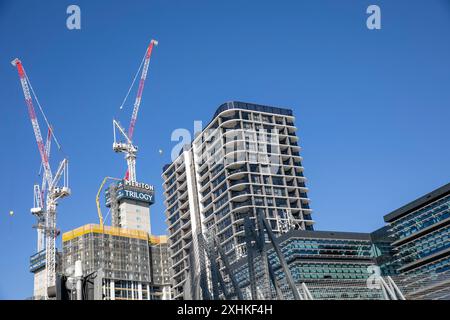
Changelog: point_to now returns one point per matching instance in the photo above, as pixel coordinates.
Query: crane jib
(140, 90)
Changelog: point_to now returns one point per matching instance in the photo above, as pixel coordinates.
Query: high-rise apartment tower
(245, 162)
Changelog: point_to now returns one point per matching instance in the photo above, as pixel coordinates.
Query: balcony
(232, 125)
(239, 196)
(290, 183)
(236, 182)
(301, 184)
(233, 171)
(279, 121)
(237, 205)
(231, 116)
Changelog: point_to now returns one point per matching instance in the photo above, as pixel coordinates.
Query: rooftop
(314, 234)
(252, 107)
(420, 202)
(242, 105)
(120, 232)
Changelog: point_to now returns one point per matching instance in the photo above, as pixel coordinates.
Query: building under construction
(132, 264)
(126, 261)
(129, 203)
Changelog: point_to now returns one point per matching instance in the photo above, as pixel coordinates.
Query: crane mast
(39, 194)
(127, 147)
(45, 211)
(38, 212)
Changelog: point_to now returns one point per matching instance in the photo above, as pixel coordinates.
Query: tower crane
(39, 193)
(127, 146)
(45, 198)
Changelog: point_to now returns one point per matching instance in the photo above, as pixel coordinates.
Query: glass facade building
(333, 265)
(384, 252)
(421, 244)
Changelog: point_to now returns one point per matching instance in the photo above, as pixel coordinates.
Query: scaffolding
(159, 267)
(128, 259)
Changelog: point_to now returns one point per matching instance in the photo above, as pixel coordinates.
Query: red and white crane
(46, 197)
(127, 146)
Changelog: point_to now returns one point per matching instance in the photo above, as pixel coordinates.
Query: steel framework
(50, 190)
(216, 277)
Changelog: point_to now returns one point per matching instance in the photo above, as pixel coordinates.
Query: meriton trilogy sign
(137, 191)
(138, 185)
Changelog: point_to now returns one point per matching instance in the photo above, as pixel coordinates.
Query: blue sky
(372, 107)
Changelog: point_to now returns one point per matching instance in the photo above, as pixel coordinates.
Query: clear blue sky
(372, 107)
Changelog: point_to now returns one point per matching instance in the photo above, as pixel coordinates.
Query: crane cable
(134, 80)
(42, 111)
(45, 119)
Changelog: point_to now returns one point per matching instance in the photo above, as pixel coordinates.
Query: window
(278, 192)
(277, 181)
(257, 190)
(281, 203)
(265, 169)
(259, 201)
